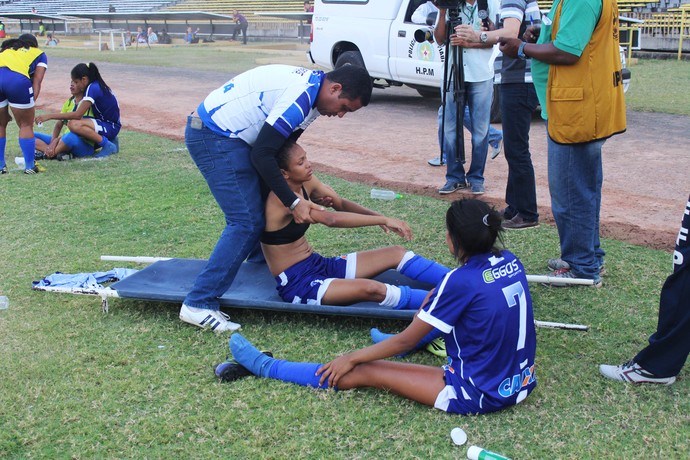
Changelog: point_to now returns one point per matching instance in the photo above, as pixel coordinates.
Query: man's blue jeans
(235, 184)
(575, 179)
(478, 97)
(518, 101)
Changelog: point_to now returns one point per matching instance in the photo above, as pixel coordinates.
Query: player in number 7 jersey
(484, 310)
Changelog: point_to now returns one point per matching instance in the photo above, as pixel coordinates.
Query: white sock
(392, 296)
(408, 255)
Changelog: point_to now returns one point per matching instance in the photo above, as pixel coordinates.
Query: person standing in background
(241, 24)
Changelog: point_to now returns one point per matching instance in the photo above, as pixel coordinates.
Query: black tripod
(458, 82)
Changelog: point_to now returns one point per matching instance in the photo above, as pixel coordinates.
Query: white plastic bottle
(19, 161)
(4, 302)
(378, 194)
(479, 453)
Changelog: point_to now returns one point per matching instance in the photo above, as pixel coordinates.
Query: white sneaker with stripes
(215, 320)
(632, 372)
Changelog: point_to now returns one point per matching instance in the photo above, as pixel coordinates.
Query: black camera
(450, 4)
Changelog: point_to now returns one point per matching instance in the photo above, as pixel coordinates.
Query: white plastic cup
(4, 302)
(19, 161)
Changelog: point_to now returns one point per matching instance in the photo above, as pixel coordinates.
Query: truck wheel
(350, 58)
(496, 106)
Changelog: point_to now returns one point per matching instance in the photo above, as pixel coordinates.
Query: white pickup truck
(380, 35)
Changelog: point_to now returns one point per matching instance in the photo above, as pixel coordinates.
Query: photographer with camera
(518, 101)
(471, 83)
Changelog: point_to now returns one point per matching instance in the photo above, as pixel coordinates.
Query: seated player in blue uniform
(65, 146)
(484, 310)
(103, 127)
(303, 276)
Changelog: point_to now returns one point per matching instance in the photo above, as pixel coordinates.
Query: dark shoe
(38, 155)
(4, 170)
(557, 264)
(508, 213)
(477, 189)
(231, 370)
(64, 157)
(33, 170)
(517, 223)
(451, 187)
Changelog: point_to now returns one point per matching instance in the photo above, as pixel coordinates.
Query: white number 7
(514, 294)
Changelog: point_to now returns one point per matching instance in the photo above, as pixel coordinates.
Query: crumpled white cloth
(85, 280)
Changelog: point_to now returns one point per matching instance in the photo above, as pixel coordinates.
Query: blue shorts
(306, 282)
(105, 128)
(462, 397)
(15, 90)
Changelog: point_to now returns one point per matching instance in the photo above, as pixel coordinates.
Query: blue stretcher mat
(253, 288)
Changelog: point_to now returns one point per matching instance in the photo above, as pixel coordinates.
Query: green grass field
(138, 383)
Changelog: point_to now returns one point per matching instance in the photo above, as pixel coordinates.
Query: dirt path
(646, 170)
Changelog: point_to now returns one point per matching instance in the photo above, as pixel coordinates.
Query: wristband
(521, 51)
(294, 204)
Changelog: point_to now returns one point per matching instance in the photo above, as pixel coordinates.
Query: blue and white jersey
(280, 95)
(104, 105)
(485, 309)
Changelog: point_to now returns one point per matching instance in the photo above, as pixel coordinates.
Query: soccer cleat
(215, 320)
(38, 155)
(39, 167)
(64, 156)
(631, 372)
(231, 370)
(33, 170)
(437, 347)
(4, 170)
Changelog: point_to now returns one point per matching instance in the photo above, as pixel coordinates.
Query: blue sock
(104, 140)
(28, 147)
(378, 336)
(248, 356)
(3, 142)
(425, 270)
(410, 299)
(300, 373)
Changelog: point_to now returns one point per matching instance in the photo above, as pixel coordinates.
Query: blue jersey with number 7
(485, 309)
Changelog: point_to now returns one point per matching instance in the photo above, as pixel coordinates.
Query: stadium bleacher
(60, 7)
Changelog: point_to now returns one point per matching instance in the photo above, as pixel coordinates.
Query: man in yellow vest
(576, 71)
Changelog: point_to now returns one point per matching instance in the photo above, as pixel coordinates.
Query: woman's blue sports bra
(288, 234)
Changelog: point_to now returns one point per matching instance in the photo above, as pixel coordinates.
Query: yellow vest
(585, 101)
(19, 60)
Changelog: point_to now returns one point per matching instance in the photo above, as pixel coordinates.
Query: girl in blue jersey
(484, 309)
(22, 68)
(104, 126)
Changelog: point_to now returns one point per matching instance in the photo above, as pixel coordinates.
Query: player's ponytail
(91, 72)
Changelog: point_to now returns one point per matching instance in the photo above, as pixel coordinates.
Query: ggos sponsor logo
(492, 274)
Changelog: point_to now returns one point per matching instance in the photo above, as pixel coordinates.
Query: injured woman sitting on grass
(303, 276)
(484, 310)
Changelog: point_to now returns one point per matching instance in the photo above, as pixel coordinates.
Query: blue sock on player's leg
(28, 147)
(300, 373)
(410, 299)
(378, 336)
(421, 269)
(250, 357)
(3, 143)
